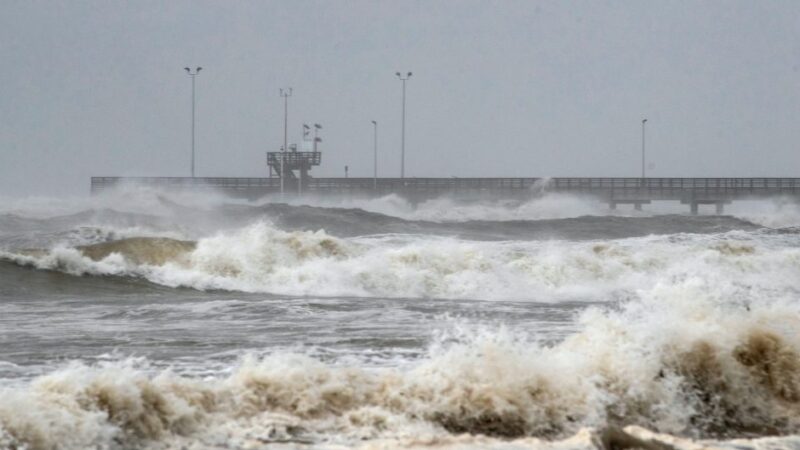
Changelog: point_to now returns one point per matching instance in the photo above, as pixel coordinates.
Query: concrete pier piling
(637, 204)
(719, 205)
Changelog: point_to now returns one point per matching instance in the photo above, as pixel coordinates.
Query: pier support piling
(694, 204)
(636, 202)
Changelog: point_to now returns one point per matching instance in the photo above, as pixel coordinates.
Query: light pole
(375, 156)
(196, 71)
(285, 93)
(644, 121)
(403, 132)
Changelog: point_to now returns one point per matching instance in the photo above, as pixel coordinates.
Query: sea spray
(677, 362)
(262, 258)
(322, 326)
(775, 212)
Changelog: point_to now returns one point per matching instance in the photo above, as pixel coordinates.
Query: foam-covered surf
(542, 216)
(776, 212)
(262, 258)
(143, 319)
(683, 361)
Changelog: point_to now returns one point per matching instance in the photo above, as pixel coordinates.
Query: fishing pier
(614, 191)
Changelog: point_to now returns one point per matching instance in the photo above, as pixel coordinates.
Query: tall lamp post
(285, 93)
(375, 156)
(196, 71)
(644, 121)
(403, 132)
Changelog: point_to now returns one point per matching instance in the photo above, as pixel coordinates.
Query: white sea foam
(128, 198)
(704, 344)
(261, 258)
(682, 360)
(775, 212)
(447, 209)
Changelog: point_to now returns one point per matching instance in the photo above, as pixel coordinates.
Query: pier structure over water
(285, 163)
(614, 191)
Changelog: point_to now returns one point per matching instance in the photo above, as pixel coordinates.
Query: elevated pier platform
(614, 191)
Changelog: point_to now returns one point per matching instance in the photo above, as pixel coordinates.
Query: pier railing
(675, 183)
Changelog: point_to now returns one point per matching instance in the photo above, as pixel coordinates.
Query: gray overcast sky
(499, 88)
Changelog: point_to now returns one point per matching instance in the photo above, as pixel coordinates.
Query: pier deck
(614, 191)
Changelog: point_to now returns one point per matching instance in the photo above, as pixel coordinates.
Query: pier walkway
(614, 191)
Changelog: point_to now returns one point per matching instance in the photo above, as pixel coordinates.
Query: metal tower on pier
(284, 163)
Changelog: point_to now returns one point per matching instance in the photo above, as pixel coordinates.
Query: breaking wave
(446, 209)
(262, 258)
(696, 341)
(684, 360)
(775, 212)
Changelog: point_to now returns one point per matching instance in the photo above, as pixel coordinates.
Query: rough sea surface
(155, 320)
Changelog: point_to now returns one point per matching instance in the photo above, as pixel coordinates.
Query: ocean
(140, 319)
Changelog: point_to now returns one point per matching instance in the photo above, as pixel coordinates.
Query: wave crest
(261, 258)
(155, 251)
(727, 373)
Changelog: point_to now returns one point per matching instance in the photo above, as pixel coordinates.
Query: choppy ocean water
(144, 319)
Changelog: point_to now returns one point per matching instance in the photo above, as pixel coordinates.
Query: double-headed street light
(403, 132)
(193, 74)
